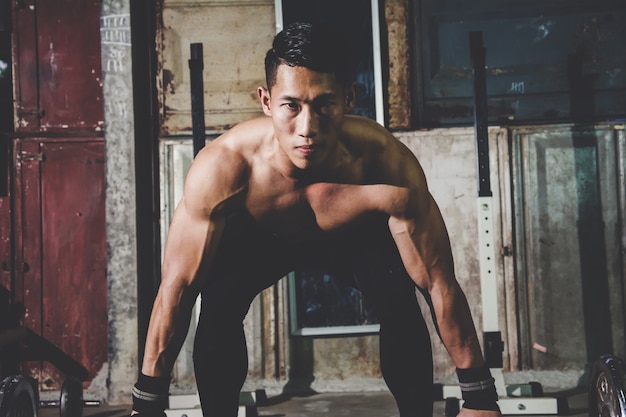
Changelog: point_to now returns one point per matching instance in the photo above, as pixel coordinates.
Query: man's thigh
(248, 260)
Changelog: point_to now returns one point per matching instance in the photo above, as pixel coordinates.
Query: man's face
(306, 108)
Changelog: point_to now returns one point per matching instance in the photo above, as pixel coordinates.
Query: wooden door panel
(74, 262)
(70, 88)
(57, 227)
(57, 64)
(60, 238)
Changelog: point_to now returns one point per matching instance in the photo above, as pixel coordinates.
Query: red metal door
(55, 240)
(60, 232)
(57, 66)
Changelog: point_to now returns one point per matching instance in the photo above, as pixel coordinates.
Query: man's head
(317, 47)
(308, 92)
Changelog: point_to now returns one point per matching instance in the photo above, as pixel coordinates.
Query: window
(557, 61)
(358, 18)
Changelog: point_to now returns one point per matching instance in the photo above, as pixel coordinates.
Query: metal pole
(196, 66)
(492, 338)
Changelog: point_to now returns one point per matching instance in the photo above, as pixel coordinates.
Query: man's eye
(327, 107)
(291, 106)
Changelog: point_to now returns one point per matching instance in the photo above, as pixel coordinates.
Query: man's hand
(466, 412)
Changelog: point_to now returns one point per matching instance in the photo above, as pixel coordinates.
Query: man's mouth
(306, 150)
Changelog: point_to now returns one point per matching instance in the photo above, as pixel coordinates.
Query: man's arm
(190, 244)
(212, 185)
(424, 246)
(425, 250)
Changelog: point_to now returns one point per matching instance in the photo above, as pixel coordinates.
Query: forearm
(459, 336)
(169, 323)
(456, 327)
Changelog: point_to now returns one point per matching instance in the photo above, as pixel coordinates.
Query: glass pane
(324, 301)
(355, 18)
(555, 61)
(571, 281)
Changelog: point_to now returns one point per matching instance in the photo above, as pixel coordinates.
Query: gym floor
(366, 404)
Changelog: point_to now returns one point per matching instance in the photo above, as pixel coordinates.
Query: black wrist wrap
(478, 389)
(150, 394)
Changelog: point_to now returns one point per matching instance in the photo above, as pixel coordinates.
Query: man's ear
(264, 96)
(350, 93)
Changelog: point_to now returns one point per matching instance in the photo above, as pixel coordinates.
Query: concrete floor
(366, 404)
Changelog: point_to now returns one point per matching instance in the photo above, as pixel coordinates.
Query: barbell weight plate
(18, 397)
(71, 402)
(606, 387)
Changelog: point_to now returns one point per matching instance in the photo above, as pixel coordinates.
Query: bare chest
(299, 211)
(284, 210)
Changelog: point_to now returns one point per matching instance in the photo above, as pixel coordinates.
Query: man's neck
(331, 169)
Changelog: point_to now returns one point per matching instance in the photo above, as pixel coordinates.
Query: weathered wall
(397, 32)
(235, 35)
(120, 200)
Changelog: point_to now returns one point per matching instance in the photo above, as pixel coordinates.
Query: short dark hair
(318, 47)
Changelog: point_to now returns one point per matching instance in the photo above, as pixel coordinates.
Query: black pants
(250, 260)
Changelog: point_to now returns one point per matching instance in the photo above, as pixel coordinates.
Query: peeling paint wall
(399, 84)
(235, 35)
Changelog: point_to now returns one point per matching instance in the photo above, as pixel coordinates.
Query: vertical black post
(143, 26)
(492, 338)
(196, 66)
(477, 54)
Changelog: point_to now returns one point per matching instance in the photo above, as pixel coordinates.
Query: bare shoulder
(221, 170)
(383, 153)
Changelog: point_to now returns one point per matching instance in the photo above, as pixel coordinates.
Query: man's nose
(308, 123)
